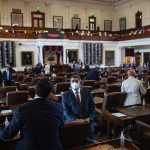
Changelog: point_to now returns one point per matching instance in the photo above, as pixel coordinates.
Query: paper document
(119, 114)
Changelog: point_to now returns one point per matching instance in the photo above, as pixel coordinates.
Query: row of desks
(125, 116)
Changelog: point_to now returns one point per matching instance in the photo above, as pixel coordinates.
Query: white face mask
(75, 85)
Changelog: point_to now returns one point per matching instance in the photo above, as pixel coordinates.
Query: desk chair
(144, 134)
(111, 79)
(17, 97)
(88, 83)
(74, 134)
(5, 89)
(62, 87)
(113, 100)
(110, 88)
(58, 79)
(27, 80)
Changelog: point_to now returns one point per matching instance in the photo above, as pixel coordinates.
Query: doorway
(138, 20)
(146, 58)
(38, 20)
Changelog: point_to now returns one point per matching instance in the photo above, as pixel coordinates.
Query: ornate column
(118, 58)
(40, 54)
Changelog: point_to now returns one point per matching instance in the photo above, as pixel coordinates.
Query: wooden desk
(132, 113)
(114, 143)
(98, 92)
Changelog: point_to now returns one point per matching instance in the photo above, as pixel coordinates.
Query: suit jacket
(39, 122)
(73, 111)
(93, 75)
(5, 75)
(134, 88)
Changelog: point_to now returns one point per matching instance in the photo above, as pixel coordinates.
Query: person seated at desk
(38, 121)
(134, 88)
(78, 104)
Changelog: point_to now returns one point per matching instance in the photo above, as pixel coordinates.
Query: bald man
(134, 89)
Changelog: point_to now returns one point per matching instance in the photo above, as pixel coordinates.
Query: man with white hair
(134, 88)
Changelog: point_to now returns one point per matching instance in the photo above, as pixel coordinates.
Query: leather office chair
(35, 81)
(17, 97)
(110, 88)
(58, 79)
(20, 78)
(5, 89)
(74, 134)
(23, 87)
(61, 74)
(31, 90)
(113, 100)
(88, 83)
(82, 75)
(143, 134)
(27, 80)
(62, 87)
(111, 79)
(14, 77)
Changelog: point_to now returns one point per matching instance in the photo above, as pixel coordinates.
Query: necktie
(78, 98)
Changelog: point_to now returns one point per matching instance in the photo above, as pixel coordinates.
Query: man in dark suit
(7, 76)
(78, 104)
(38, 121)
(93, 74)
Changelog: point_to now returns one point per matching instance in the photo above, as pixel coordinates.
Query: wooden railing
(35, 33)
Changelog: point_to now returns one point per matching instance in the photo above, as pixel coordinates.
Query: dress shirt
(7, 72)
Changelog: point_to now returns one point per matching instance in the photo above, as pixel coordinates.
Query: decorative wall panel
(92, 53)
(7, 53)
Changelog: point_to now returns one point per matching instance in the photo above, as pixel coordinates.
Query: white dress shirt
(134, 88)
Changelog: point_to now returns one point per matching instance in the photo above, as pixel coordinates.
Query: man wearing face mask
(78, 104)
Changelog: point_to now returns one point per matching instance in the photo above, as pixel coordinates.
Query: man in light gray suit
(134, 88)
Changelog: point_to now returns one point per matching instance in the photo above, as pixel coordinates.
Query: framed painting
(109, 58)
(58, 22)
(26, 58)
(71, 55)
(16, 19)
(107, 25)
(76, 23)
(122, 23)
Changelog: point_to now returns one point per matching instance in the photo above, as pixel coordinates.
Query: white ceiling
(82, 1)
(110, 1)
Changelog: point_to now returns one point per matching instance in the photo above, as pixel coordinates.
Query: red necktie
(78, 98)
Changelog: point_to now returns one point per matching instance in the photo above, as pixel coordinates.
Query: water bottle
(122, 141)
(143, 103)
(6, 122)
